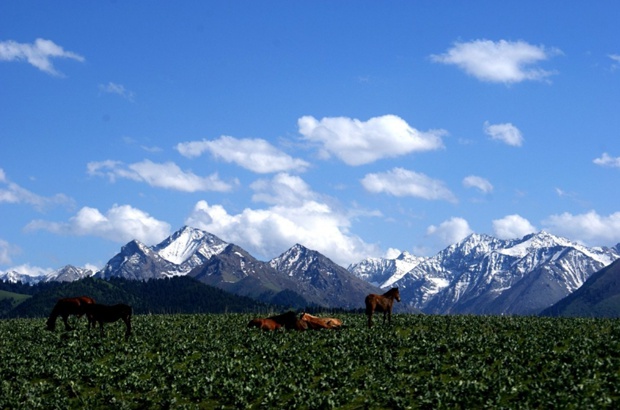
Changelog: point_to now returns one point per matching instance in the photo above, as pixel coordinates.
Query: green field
(214, 361)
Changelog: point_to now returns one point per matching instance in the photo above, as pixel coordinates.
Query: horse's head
(396, 294)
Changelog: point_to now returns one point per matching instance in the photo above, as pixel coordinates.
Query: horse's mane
(391, 292)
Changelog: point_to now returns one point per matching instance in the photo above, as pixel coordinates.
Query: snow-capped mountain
(486, 275)
(189, 247)
(68, 273)
(384, 272)
(12, 276)
(176, 255)
(321, 280)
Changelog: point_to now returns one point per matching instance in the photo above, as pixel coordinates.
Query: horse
(315, 322)
(264, 324)
(287, 320)
(109, 314)
(381, 303)
(66, 307)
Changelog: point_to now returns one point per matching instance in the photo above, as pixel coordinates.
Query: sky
(355, 128)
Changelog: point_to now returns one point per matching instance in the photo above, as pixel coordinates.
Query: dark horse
(109, 314)
(287, 320)
(381, 303)
(66, 307)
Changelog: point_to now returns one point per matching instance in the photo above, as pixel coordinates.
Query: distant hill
(598, 297)
(174, 295)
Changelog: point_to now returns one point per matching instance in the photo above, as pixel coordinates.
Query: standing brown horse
(66, 307)
(381, 303)
(109, 314)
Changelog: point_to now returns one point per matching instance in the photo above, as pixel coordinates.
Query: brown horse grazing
(381, 303)
(109, 314)
(66, 307)
(287, 320)
(315, 322)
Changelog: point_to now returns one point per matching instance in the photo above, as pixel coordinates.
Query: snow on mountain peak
(186, 242)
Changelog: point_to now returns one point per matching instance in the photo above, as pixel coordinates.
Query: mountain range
(478, 275)
(485, 275)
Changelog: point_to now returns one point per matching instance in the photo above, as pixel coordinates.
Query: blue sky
(355, 128)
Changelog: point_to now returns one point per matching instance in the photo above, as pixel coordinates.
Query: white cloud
(402, 182)
(357, 142)
(121, 223)
(512, 226)
(256, 155)
(27, 269)
(616, 61)
(117, 89)
(38, 54)
(14, 194)
(473, 181)
(6, 250)
(499, 62)
(449, 232)
(167, 175)
(589, 228)
(283, 189)
(608, 161)
(287, 220)
(506, 133)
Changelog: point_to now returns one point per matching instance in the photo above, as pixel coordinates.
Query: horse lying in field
(69, 306)
(315, 322)
(286, 320)
(109, 314)
(381, 303)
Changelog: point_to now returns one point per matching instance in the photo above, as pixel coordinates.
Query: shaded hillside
(236, 271)
(598, 297)
(174, 295)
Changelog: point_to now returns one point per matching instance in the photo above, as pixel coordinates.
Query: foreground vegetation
(214, 361)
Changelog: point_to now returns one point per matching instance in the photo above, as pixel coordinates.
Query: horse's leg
(101, 327)
(390, 315)
(370, 319)
(127, 321)
(65, 318)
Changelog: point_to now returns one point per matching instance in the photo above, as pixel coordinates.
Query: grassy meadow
(208, 361)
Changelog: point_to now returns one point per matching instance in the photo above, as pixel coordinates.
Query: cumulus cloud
(6, 250)
(256, 155)
(608, 161)
(121, 223)
(450, 231)
(167, 175)
(29, 270)
(499, 62)
(287, 220)
(473, 181)
(12, 193)
(402, 182)
(117, 89)
(506, 133)
(589, 228)
(283, 189)
(39, 54)
(357, 142)
(512, 226)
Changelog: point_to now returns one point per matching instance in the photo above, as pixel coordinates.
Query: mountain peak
(188, 243)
